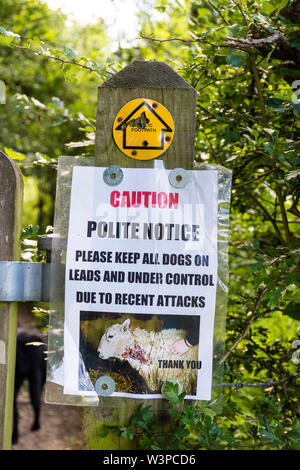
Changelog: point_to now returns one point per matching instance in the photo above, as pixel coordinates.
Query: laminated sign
(140, 286)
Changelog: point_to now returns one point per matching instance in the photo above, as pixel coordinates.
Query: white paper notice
(141, 276)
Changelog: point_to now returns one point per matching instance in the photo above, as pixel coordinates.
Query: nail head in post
(113, 175)
(105, 386)
(178, 178)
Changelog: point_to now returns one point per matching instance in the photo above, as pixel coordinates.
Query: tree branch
(273, 161)
(149, 38)
(259, 92)
(58, 59)
(267, 384)
(247, 329)
(218, 11)
(241, 11)
(223, 79)
(253, 180)
(261, 42)
(268, 217)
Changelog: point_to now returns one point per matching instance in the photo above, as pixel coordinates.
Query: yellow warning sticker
(143, 129)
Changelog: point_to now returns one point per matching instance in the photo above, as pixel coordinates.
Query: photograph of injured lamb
(139, 352)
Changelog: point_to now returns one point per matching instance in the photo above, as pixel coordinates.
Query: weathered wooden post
(154, 81)
(11, 196)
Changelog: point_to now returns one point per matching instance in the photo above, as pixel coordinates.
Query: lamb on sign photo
(145, 353)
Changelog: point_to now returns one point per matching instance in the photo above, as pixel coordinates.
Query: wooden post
(159, 82)
(11, 197)
(153, 80)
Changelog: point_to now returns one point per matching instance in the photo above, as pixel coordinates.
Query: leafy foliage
(242, 57)
(51, 71)
(243, 62)
(199, 428)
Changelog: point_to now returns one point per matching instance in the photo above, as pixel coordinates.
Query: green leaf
(272, 5)
(256, 244)
(89, 129)
(258, 266)
(280, 3)
(231, 134)
(30, 232)
(42, 157)
(127, 434)
(268, 8)
(270, 132)
(69, 52)
(292, 310)
(274, 102)
(171, 391)
(274, 298)
(295, 44)
(236, 60)
(292, 174)
(8, 36)
(3, 32)
(234, 30)
(296, 296)
(13, 154)
(297, 113)
(57, 102)
(269, 148)
(103, 433)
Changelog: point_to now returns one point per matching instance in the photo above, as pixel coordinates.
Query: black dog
(30, 365)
